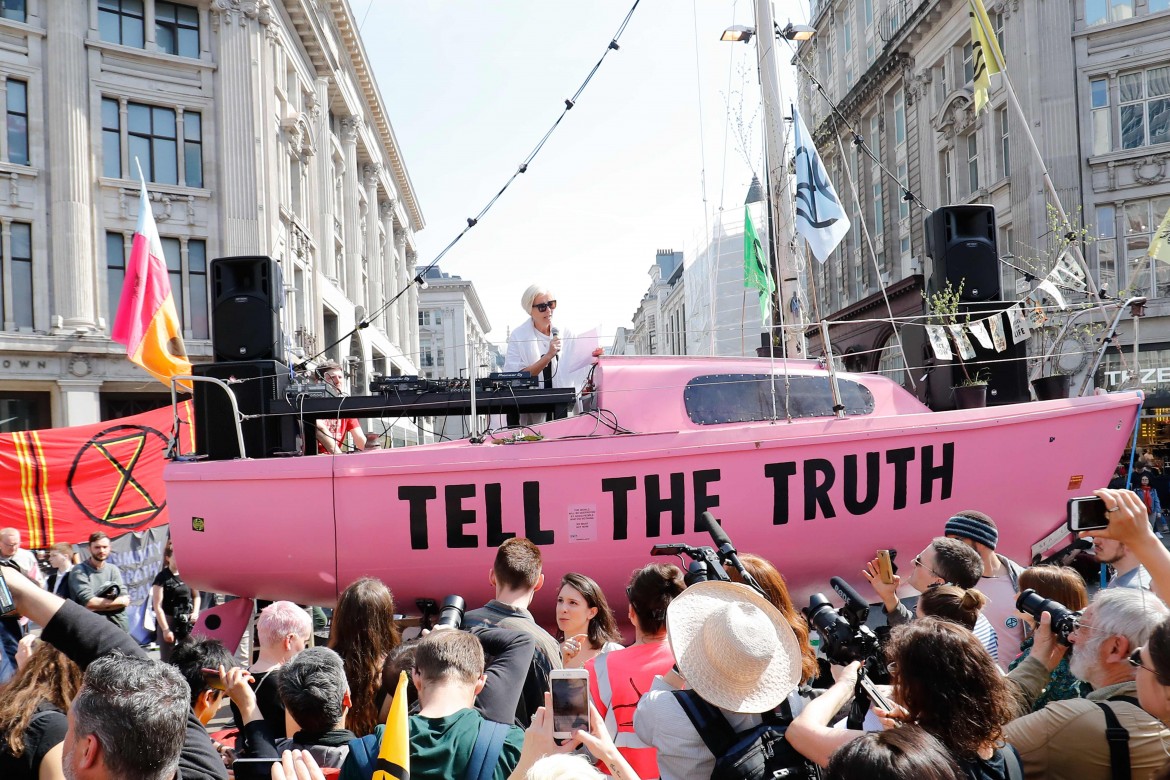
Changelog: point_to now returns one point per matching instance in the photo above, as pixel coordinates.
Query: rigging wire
(420, 277)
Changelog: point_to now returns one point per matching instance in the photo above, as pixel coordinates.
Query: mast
(777, 179)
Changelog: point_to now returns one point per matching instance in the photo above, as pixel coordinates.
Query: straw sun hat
(734, 647)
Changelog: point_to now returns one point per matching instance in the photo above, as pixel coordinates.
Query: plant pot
(970, 396)
(1051, 388)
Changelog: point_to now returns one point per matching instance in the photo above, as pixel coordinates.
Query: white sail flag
(1049, 289)
(939, 343)
(978, 329)
(1019, 322)
(820, 217)
(998, 335)
(959, 334)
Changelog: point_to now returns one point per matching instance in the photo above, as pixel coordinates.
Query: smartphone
(212, 679)
(875, 695)
(886, 568)
(1087, 514)
(570, 701)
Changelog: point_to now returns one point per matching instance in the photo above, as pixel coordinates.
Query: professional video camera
(845, 637)
(1064, 620)
(450, 614)
(709, 563)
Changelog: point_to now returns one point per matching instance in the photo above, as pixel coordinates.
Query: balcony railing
(895, 16)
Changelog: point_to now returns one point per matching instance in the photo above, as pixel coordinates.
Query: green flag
(755, 267)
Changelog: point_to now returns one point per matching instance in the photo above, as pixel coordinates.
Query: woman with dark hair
(1065, 585)
(906, 753)
(619, 678)
(585, 621)
(944, 681)
(363, 634)
(1153, 680)
(32, 715)
(176, 605)
(950, 602)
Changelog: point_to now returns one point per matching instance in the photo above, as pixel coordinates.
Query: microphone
(554, 332)
(846, 591)
(718, 535)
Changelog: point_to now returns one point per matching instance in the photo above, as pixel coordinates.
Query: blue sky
(472, 85)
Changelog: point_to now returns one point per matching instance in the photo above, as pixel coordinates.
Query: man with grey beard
(132, 718)
(1091, 738)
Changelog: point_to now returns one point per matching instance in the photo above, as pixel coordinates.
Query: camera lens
(451, 614)
(1064, 620)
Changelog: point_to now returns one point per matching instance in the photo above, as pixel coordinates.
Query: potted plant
(943, 309)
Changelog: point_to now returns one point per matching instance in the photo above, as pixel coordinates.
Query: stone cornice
(876, 77)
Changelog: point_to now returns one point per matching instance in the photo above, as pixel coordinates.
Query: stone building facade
(1093, 78)
(259, 129)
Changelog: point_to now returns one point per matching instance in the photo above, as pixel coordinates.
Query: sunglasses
(918, 562)
(543, 307)
(1135, 660)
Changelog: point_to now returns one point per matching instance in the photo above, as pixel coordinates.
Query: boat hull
(816, 497)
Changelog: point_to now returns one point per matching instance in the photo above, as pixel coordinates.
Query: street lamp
(738, 33)
(797, 32)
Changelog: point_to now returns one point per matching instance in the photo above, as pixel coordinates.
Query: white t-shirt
(27, 563)
(1001, 614)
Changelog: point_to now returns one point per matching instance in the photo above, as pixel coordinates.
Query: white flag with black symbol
(1019, 321)
(939, 342)
(820, 217)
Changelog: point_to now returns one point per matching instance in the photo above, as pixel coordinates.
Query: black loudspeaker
(962, 242)
(247, 294)
(266, 383)
(1006, 372)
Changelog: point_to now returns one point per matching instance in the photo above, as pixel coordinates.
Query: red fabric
(62, 484)
(1149, 502)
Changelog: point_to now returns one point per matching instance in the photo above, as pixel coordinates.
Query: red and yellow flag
(394, 753)
(147, 321)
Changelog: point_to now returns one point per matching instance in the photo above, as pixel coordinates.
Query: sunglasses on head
(543, 307)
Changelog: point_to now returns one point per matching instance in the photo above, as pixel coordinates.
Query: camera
(451, 613)
(844, 636)
(1064, 620)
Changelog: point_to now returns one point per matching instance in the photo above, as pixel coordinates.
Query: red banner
(62, 484)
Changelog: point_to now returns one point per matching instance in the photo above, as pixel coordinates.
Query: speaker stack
(962, 243)
(247, 295)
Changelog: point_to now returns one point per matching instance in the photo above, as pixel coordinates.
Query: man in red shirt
(331, 431)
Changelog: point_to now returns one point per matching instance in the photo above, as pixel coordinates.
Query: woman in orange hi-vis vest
(618, 679)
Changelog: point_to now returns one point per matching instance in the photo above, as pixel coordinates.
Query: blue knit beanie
(976, 529)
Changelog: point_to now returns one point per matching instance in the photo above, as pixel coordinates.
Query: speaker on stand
(962, 243)
(264, 383)
(247, 295)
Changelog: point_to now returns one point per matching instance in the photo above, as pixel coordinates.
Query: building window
(899, 117)
(176, 29)
(972, 162)
(122, 21)
(997, 23)
(968, 63)
(13, 9)
(115, 273)
(904, 187)
(424, 318)
(1106, 244)
(17, 122)
(197, 288)
(1102, 121)
(153, 138)
(1145, 107)
(19, 270)
(1104, 11)
(1146, 275)
(946, 179)
(1159, 5)
(1005, 155)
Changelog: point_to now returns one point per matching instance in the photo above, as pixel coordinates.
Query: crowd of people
(722, 678)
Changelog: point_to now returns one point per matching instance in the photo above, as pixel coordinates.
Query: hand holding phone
(1087, 514)
(570, 701)
(886, 567)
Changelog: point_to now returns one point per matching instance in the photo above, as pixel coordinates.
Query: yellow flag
(986, 56)
(394, 753)
(1160, 245)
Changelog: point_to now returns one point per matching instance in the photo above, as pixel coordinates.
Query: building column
(323, 215)
(402, 308)
(240, 32)
(373, 256)
(72, 256)
(410, 346)
(80, 401)
(351, 126)
(388, 271)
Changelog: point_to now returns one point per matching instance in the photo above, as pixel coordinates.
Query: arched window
(890, 362)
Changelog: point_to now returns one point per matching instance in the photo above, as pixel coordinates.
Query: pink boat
(815, 492)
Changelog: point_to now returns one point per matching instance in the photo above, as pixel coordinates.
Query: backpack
(757, 753)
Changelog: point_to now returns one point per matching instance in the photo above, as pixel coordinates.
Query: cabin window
(715, 399)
